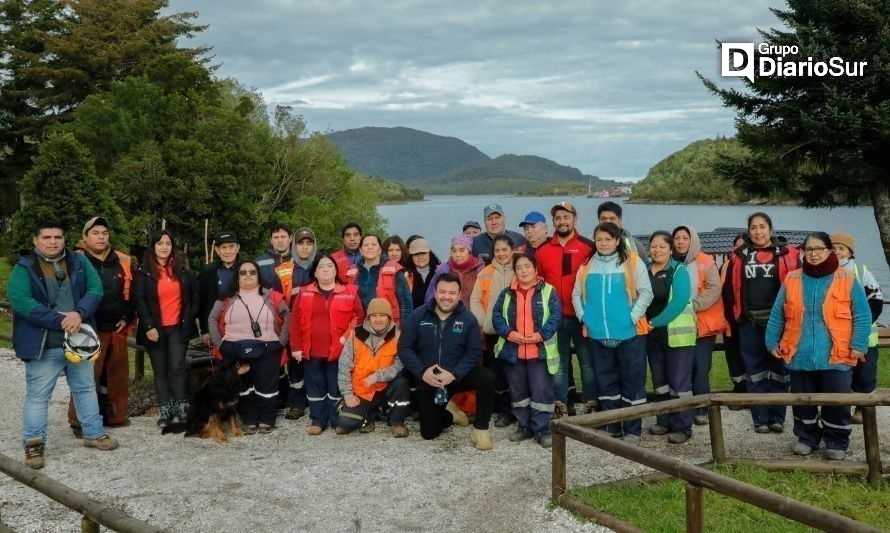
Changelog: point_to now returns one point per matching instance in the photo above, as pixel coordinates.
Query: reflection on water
(439, 218)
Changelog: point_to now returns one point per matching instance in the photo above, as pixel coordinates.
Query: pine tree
(824, 140)
(62, 186)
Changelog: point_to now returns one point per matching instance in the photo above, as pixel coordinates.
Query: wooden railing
(697, 477)
(95, 513)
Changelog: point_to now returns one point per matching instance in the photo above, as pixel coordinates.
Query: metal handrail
(696, 477)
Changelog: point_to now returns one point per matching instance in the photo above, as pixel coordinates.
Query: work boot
(589, 407)
(658, 429)
(834, 455)
(34, 449)
(503, 420)
(700, 420)
(631, 439)
(102, 442)
(520, 434)
(165, 414)
(481, 438)
(460, 418)
(777, 427)
(857, 415)
(314, 430)
(761, 429)
(560, 410)
(799, 448)
(294, 413)
(399, 431)
(678, 437)
(182, 411)
(368, 427)
(546, 441)
(341, 431)
(264, 428)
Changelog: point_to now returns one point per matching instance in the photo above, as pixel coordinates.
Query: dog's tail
(177, 427)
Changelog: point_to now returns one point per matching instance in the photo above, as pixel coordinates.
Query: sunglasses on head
(247, 272)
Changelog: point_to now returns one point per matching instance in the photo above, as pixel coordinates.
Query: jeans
(568, 334)
(621, 379)
(41, 376)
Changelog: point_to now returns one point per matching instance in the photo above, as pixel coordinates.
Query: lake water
(439, 218)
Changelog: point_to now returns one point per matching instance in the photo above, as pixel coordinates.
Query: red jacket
(559, 264)
(345, 313)
(787, 257)
(343, 263)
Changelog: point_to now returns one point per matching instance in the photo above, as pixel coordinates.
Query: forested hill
(518, 174)
(403, 154)
(447, 165)
(687, 176)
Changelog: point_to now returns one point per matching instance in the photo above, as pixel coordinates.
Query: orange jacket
(710, 321)
(836, 311)
(366, 362)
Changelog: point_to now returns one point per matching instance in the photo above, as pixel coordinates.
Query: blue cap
(532, 218)
(492, 209)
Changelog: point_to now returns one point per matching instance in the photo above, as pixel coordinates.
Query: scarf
(466, 266)
(825, 268)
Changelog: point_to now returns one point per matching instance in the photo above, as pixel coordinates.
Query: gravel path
(289, 481)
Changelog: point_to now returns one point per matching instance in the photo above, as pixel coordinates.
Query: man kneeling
(441, 344)
(368, 374)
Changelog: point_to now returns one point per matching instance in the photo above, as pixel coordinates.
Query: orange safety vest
(126, 266)
(485, 279)
(386, 285)
(285, 273)
(710, 321)
(836, 312)
(367, 362)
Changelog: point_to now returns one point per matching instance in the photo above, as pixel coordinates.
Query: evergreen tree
(62, 186)
(825, 140)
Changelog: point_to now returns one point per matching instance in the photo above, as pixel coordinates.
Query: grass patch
(662, 507)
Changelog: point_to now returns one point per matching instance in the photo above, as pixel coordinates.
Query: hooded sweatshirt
(704, 277)
(501, 276)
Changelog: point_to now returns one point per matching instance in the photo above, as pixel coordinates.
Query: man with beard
(559, 259)
(441, 345)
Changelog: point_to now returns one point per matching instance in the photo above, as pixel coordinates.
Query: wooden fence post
(694, 504)
(715, 423)
(559, 464)
(88, 526)
(139, 365)
(872, 449)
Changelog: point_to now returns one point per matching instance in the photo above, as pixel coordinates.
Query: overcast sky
(608, 87)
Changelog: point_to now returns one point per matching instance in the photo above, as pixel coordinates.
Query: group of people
(380, 329)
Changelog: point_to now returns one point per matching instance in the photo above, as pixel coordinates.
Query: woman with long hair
(819, 327)
(756, 272)
(166, 296)
(611, 294)
(248, 325)
(322, 318)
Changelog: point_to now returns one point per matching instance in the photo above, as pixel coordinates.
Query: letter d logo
(737, 59)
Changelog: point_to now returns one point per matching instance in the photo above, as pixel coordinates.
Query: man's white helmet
(83, 345)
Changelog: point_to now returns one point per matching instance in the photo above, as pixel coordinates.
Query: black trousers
(435, 418)
(395, 395)
(167, 358)
(258, 397)
(501, 386)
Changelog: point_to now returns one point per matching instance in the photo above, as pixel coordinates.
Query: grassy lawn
(661, 507)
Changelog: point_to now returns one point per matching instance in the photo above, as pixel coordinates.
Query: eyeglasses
(247, 272)
(816, 250)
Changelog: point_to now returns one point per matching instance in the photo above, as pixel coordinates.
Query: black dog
(213, 405)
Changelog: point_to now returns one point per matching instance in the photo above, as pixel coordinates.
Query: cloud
(608, 88)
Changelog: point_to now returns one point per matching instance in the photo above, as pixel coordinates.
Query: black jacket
(113, 308)
(209, 291)
(148, 305)
(455, 344)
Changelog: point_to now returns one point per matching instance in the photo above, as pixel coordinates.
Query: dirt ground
(288, 481)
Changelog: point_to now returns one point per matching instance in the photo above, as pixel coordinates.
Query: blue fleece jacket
(814, 347)
(605, 309)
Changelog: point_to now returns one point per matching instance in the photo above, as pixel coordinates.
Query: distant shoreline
(713, 202)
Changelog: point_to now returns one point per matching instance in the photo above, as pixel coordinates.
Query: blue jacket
(605, 309)
(455, 344)
(814, 346)
(510, 351)
(31, 315)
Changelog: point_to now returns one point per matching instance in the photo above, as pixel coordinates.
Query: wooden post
(206, 249)
(558, 475)
(694, 504)
(872, 449)
(715, 423)
(88, 526)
